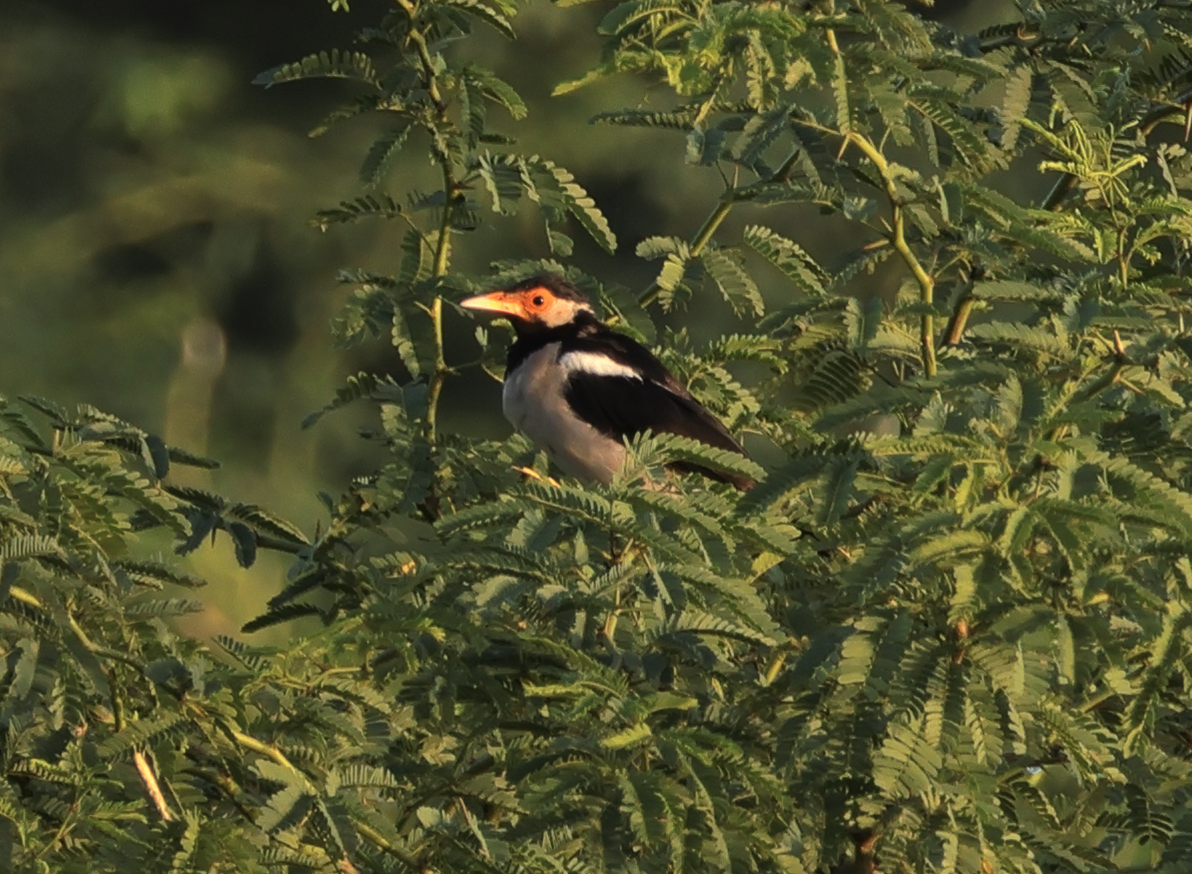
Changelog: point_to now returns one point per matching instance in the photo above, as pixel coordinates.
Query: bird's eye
(538, 300)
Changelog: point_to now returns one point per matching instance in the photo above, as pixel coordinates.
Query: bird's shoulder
(597, 350)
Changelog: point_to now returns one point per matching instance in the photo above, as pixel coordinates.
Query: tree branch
(897, 238)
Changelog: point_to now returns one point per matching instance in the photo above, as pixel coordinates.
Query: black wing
(621, 406)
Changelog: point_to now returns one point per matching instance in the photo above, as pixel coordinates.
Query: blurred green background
(156, 259)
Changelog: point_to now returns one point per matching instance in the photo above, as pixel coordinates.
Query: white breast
(533, 401)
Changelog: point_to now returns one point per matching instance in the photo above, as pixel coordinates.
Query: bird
(577, 388)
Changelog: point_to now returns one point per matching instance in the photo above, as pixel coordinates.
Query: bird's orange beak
(496, 302)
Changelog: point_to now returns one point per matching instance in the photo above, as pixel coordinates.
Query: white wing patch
(595, 364)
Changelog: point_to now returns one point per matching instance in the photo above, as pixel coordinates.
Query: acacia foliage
(960, 643)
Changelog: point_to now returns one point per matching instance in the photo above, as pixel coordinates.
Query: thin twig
(714, 220)
(270, 752)
(442, 260)
(698, 242)
(897, 238)
(954, 332)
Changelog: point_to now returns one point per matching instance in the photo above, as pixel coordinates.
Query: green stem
(270, 752)
(443, 243)
(428, 68)
(1105, 380)
(68, 823)
(104, 651)
(442, 260)
(713, 222)
(378, 840)
(897, 239)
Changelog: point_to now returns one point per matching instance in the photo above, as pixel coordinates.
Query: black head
(552, 282)
(535, 305)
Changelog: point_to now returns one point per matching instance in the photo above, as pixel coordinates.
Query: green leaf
(789, 257)
(1015, 104)
(631, 736)
(934, 104)
(382, 152)
(142, 732)
(361, 385)
(488, 84)
(906, 765)
(580, 205)
(334, 64)
(491, 15)
(369, 206)
(280, 614)
(734, 283)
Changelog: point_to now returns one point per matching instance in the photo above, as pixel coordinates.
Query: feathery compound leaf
(934, 104)
(652, 248)
(844, 115)
(142, 732)
(1136, 485)
(895, 26)
(1010, 290)
(488, 84)
(1020, 338)
(334, 64)
(690, 450)
(838, 478)
(836, 377)
(280, 614)
(736, 596)
(382, 152)
(760, 132)
(789, 257)
(154, 574)
(734, 283)
(490, 14)
(268, 523)
(566, 499)
(1168, 649)
(30, 546)
(580, 205)
(361, 385)
(502, 176)
(254, 658)
(369, 206)
(1015, 104)
(163, 608)
(681, 120)
(795, 475)
(906, 764)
